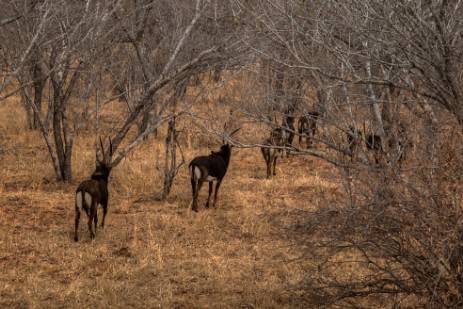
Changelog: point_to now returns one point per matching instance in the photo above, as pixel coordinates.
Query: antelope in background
(93, 192)
(393, 150)
(353, 138)
(288, 127)
(373, 143)
(307, 127)
(277, 138)
(210, 168)
(399, 143)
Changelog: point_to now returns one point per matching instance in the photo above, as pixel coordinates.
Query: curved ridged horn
(102, 150)
(110, 149)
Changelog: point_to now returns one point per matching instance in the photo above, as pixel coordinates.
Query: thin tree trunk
(39, 85)
(171, 158)
(44, 129)
(372, 97)
(171, 167)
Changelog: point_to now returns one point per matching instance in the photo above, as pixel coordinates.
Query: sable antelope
(353, 138)
(93, 192)
(209, 168)
(277, 138)
(373, 143)
(398, 142)
(307, 127)
(288, 127)
(405, 145)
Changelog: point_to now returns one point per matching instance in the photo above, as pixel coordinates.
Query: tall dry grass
(151, 254)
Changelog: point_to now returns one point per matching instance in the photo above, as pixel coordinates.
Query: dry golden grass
(150, 254)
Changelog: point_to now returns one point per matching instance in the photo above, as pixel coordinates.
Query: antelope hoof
(76, 239)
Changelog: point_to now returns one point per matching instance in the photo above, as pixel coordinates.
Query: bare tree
(14, 14)
(143, 49)
(164, 62)
(56, 48)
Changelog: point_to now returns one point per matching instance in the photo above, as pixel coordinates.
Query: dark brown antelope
(271, 154)
(373, 143)
(353, 139)
(288, 126)
(209, 168)
(307, 127)
(93, 192)
(398, 143)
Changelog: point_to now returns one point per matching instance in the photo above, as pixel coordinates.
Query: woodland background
(161, 78)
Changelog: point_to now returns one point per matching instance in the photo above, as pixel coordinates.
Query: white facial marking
(79, 201)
